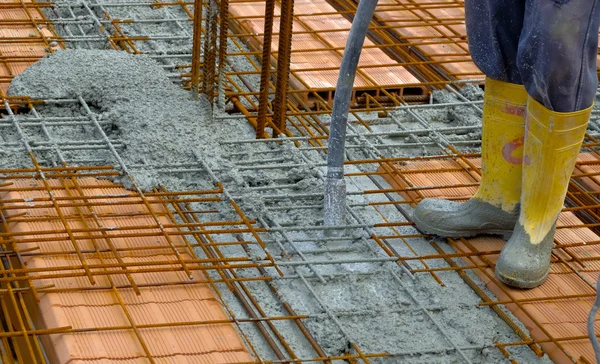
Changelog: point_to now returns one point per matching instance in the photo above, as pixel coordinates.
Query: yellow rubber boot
(552, 143)
(494, 208)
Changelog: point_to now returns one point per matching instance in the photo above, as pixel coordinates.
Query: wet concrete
(379, 307)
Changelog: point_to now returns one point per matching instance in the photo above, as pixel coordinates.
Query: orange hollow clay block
(546, 319)
(107, 316)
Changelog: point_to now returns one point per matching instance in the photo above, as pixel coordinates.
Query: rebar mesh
(253, 263)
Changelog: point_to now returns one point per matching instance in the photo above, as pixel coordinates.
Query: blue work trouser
(549, 46)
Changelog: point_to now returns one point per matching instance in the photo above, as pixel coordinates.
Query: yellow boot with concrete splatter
(494, 208)
(552, 143)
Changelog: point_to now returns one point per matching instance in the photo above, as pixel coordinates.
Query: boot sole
(431, 230)
(520, 283)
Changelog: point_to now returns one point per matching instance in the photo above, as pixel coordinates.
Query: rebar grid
(164, 23)
(449, 158)
(111, 240)
(573, 262)
(62, 234)
(426, 39)
(295, 242)
(239, 256)
(390, 242)
(27, 36)
(60, 224)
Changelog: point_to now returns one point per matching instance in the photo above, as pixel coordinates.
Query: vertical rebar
(223, 29)
(263, 97)
(284, 54)
(210, 45)
(196, 46)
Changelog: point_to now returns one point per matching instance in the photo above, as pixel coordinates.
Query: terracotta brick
(381, 72)
(35, 50)
(560, 318)
(101, 308)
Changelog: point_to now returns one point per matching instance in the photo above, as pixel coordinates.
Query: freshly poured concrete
(134, 100)
(378, 306)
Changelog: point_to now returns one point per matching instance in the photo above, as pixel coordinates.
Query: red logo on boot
(514, 109)
(509, 149)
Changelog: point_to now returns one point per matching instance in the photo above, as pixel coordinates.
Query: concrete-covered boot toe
(453, 219)
(522, 264)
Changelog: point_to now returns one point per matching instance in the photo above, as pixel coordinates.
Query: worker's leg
(557, 59)
(493, 31)
(493, 28)
(557, 52)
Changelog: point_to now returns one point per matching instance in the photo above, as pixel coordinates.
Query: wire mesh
(569, 291)
(67, 219)
(85, 260)
(413, 47)
(27, 35)
(284, 245)
(414, 152)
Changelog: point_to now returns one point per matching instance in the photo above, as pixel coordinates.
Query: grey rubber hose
(590, 323)
(335, 187)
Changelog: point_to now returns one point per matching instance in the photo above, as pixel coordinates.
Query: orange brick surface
(104, 308)
(27, 24)
(381, 71)
(547, 320)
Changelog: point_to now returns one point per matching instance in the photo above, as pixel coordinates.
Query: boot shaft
(503, 129)
(552, 143)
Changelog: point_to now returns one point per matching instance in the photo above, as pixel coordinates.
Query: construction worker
(539, 58)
